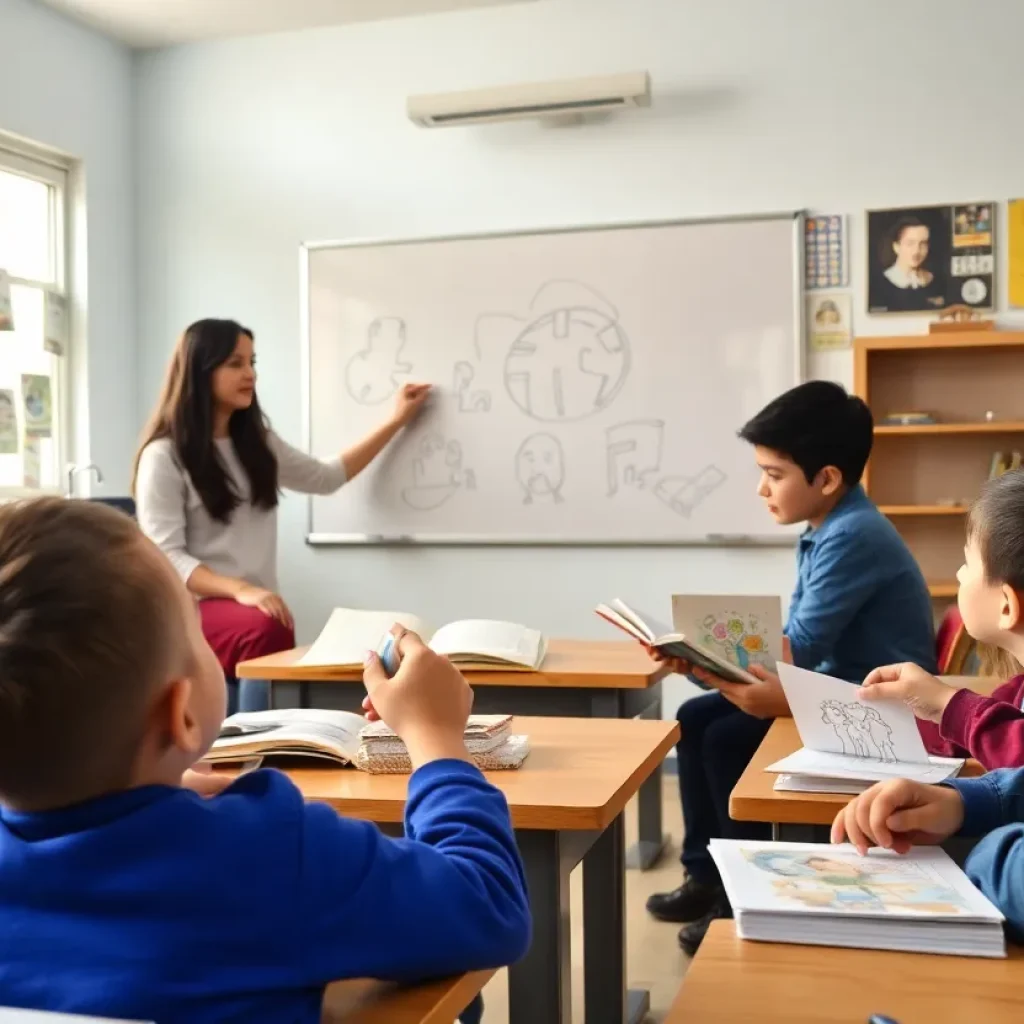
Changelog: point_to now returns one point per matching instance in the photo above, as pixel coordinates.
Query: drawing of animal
(833, 713)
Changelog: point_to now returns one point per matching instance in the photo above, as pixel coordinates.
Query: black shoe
(693, 934)
(692, 900)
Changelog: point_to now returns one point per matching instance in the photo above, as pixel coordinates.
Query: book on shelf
(718, 633)
(821, 895)
(481, 644)
(346, 738)
(848, 739)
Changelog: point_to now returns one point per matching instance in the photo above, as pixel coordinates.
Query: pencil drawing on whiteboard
(634, 453)
(540, 469)
(861, 730)
(468, 401)
(372, 374)
(683, 494)
(566, 358)
(437, 473)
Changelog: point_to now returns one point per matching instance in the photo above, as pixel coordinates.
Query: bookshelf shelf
(923, 510)
(995, 427)
(961, 378)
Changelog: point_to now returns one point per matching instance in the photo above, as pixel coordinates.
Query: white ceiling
(145, 23)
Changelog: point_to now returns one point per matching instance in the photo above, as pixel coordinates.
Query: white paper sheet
(831, 717)
(844, 766)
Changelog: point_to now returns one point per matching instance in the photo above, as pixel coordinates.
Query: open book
(347, 738)
(471, 644)
(710, 632)
(821, 895)
(850, 739)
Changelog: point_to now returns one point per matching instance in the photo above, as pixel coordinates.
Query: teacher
(207, 479)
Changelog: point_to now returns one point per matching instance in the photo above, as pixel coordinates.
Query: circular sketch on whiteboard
(570, 361)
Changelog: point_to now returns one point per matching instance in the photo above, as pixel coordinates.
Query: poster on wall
(1015, 249)
(37, 405)
(925, 258)
(830, 321)
(8, 422)
(6, 309)
(55, 324)
(825, 251)
(32, 462)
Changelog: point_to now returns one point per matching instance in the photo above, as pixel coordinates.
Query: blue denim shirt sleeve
(844, 575)
(994, 804)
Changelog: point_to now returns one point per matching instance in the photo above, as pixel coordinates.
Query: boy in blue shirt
(860, 601)
(129, 890)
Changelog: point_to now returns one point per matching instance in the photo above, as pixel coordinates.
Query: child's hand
(679, 666)
(925, 695)
(427, 702)
(898, 815)
(763, 699)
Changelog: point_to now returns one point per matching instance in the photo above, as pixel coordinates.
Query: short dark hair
(816, 424)
(86, 631)
(996, 523)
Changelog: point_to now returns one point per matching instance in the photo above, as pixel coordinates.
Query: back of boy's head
(996, 524)
(815, 425)
(89, 626)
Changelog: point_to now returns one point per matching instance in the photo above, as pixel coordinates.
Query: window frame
(18, 156)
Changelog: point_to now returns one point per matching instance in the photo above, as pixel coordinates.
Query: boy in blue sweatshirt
(860, 601)
(900, 814)
(132, 887)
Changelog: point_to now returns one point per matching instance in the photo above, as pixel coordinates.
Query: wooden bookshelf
(925, 476)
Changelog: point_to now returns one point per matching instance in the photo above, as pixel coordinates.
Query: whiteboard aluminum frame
(780, 539)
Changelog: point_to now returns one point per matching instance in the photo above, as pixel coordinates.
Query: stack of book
(346, 738)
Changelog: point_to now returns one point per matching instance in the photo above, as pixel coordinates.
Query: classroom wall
(70, 88)
(247, 147)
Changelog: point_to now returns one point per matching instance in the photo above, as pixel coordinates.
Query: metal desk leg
(539, 986)
(651, 841)
(604, 933)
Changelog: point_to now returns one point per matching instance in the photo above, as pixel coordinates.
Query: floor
(655, 962)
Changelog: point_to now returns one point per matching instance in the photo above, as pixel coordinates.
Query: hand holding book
(922, 692)
(898, 815)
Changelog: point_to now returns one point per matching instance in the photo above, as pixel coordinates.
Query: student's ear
(183, 730)
(830, 480)
(1009, 609)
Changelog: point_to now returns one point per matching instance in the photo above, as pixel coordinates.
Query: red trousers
(237, 632)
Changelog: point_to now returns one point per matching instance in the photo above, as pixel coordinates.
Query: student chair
(956, 650)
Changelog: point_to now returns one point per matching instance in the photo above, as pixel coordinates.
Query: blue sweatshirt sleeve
(843, 577)
(450, 897)
(994, 804)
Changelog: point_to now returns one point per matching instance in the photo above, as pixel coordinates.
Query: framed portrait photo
(922, 259)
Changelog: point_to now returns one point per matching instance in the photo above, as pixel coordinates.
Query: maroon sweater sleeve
(989, 729)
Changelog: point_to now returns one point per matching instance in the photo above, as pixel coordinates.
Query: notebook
(347, 738)
(853, 740)
(821, 895)
(722, 635)
(471, 643)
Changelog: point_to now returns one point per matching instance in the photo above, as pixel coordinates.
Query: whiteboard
(589, 383)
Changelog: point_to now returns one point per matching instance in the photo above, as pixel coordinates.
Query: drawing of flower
(735, 628)
(719, 631)
(754, 643)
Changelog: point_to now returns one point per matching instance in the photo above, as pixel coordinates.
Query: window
(34, 331)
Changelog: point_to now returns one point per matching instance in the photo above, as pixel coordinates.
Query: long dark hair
(184, 413)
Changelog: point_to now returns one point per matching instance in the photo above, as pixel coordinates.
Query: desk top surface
(753, 798)
(569, 663)
(732, 980)
(580, 774)
(375, 1002)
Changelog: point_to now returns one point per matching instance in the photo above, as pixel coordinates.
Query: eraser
(388, 654)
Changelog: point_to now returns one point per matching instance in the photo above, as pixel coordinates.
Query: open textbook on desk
(856, 742)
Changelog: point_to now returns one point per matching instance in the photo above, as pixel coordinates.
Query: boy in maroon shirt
(957, 722)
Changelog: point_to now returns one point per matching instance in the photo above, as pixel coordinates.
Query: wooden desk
(566, 804)
(375, 1002)
(754, 799)
(579, 679)
(735, 982)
